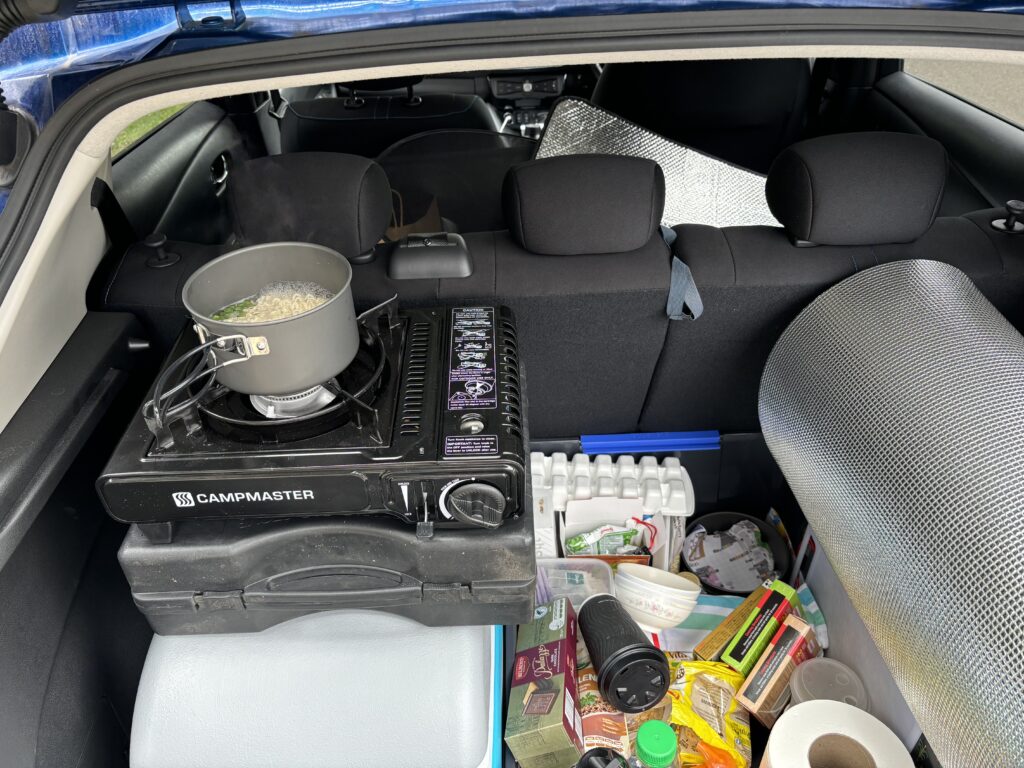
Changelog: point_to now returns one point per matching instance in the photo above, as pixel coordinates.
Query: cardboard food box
(603, 725)
(711, 647)
(764, 692)
(761, 625)
(543, 728)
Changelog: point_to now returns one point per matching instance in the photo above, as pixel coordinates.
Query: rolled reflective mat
(894, 404)
(632, 674)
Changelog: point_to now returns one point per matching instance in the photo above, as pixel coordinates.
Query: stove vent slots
(411, 422)
(508, 370)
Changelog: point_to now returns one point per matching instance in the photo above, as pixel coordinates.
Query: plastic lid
(656, 744)
(634, 678)
(823, 678)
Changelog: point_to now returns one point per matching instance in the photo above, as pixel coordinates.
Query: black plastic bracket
(158, 533)
(209, 24)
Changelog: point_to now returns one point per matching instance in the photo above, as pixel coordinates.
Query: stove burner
(348, 397)
(298, 404)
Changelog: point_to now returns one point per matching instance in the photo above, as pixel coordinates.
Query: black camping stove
(425, 425)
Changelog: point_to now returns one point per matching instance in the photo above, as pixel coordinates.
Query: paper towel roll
(831, 734)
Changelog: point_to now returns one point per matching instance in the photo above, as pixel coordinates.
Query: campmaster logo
(186, 499)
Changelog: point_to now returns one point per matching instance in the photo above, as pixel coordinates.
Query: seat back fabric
(331, 199)
(462, 170)
(590, 322)
(755, 280)
(370, 124)
(590, 328)
(742, 111)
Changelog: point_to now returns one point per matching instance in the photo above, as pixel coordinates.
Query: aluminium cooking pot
(278, 357)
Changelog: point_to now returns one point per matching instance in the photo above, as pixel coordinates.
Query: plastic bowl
(679, 597)
(675, 596)
(670, 599)
(653, 612)
(651, 586)
(657, 580)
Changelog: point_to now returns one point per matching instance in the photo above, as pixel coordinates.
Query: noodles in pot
(275, 301)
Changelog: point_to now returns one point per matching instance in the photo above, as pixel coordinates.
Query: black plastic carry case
(247, 575)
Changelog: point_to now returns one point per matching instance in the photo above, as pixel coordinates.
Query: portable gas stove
(426, 424)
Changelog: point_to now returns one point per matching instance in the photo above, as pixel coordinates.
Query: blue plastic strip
(652, 442)
(498, 686)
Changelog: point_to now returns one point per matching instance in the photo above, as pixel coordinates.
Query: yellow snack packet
(714, 730)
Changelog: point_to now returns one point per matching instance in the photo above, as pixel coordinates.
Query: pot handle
(162, 408)
(238, 343)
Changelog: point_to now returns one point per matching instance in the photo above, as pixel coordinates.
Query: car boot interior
(608, 325)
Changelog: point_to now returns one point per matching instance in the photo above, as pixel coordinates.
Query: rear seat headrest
(328, 198)
(584, 204)
(858, 188)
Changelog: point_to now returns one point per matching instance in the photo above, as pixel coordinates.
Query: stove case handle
(336, 586)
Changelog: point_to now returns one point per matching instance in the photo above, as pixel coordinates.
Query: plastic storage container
(243, 576)
(824, 678)
(662, 492)
(576, 578)
(345, 688)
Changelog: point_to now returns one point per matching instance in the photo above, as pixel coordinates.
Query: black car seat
(461, 171)
(376, 114)
(341, 201)
(585, 269)
(846, 202)
(742, 111)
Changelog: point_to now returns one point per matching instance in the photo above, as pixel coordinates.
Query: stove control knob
(471, 424)
(479, 504)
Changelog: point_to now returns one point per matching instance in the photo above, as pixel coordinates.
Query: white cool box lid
(352, 688)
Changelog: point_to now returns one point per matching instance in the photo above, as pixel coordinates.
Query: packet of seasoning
(605, 540)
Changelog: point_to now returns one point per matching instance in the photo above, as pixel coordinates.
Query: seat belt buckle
(684, 301)
(278, 105)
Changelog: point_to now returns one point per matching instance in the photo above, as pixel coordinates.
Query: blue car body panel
(42, 64)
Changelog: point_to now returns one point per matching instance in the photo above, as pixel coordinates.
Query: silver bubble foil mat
(894, 404)
(699, 189)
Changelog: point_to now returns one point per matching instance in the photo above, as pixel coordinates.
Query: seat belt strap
(684, 302)
(115, 221)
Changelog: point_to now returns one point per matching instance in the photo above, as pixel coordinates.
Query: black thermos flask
(632, 674)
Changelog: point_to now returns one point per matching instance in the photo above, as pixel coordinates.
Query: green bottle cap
(656, 744)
